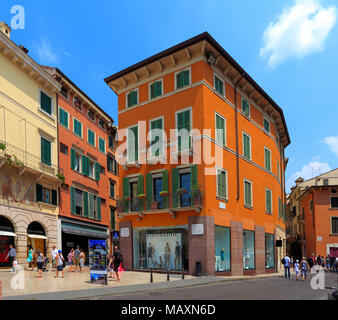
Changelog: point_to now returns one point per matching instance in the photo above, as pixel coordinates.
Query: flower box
(141, 196)
(164, 193)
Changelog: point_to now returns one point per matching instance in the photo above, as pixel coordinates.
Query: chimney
(299, 180)
(5, 29)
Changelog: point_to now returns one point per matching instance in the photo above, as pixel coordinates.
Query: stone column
(260, 249)
(126, 244)
(202, 246)
(236, 248)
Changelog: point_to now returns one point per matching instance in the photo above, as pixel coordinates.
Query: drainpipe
(236, 127)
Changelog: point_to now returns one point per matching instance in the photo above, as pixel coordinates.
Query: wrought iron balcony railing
(166, 201)
(16, 157)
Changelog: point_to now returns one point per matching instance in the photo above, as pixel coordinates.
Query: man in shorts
(53, 257)
(77, 253)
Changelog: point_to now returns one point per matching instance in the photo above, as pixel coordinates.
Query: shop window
(160, 248)
(248, 250)
(222, 249)
(269, 251)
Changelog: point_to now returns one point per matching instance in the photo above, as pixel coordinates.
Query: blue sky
(289, 47)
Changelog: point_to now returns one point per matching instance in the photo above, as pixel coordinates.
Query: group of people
(76, 259)
(306, 264)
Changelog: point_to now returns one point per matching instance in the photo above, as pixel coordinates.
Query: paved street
(276, 288)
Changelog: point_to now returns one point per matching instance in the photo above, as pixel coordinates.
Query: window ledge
(222, 199)
(48, 205)
(248, 207)
(52, 117)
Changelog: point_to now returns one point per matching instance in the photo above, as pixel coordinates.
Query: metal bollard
(182, 272)
(168, 279)
(151, 275)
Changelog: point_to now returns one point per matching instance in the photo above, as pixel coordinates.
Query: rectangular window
(183, 122)
(246, 107)
(102, 145)
(64, 92)
(46, 152)
(220, 129)
(91, 137)
(156, 137)
(222, 249)
(63, 149)
(219, 85)
(334, 225)
(246, 146)
(91, 114)
(132, 147)
(132, 98)
(101, 124)
(269, 251)
(247, 193)
(91, 173)
(157, 189)
(111, 142)
(248, 250)
(112, 218)
(268, 201)
(112, 189)
(63, 117)
(156, 89)
(311, 205)
(334, 202)
(266, 125)
(77, 128)
(267, 159)
(77, 103)
(185, 183)
(182, 79)
(45, 102)
(222, 183)
(78, 202)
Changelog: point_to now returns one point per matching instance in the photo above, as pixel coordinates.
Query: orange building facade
(215, 205)
(85, 137)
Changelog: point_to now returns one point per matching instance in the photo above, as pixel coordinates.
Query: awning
(8, 234)
(36, 236)
(82, 230)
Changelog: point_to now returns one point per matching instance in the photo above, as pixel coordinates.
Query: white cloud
(332, 142)
(308, 171)
(300, 30)
(47, 55)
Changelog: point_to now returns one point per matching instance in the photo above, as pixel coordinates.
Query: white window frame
(138, 141)
(150, 136)
(265, 148)
(149, 88)
(67, 116)
(88, 137)
(242, 98)
(265, 119)
(244, 133)
(77, 152)
(226, 183)
(52, 115)
(223, 82)
(245, 204)
(190, 80)
(138, 98)
(105, 143)
(176, 123)
(74, 127)
(225, 128)
(266, 209)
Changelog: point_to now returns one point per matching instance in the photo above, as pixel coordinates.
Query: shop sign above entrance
(124, 232)
(197, 229)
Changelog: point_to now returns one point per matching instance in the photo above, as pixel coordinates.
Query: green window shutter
(72, 159)
(186, 78)
(102, 145)
(38, 193)
(85, 204)
(178, 80)
(54, 197)
(268, 200)
(165, 187)
(125, 187)
(140, 187)
(158, 88)
(97, 171)
(246, 142)
(84, 165)
(108, 163)
(152, 91)
(63, 117)
(78, 128)
(91, 137)
(220, 124)
(247, 193)
(194, 183)
(149, 190)
(221, 181)
(245, 107)
(98, 212)
(133, 134)
(72, 200)
(91, 205)
(175, 184)
(45, 151)
(46, 103)
(283, 208)
(267, 160)
(219, 85)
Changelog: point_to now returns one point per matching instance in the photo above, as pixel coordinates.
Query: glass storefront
(269, 251)
(161, 248)
(248, 250)
(222, 248)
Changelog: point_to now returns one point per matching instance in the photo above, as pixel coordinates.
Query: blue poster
(98, 261)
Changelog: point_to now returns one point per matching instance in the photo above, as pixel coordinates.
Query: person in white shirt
(54, 255)
(297, 271)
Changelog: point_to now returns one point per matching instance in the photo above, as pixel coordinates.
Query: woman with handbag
(60, 263)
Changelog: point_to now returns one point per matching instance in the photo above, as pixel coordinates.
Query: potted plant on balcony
(61, 177)
(141, 196)
(164, 194)
(181, 191)
(2, 146)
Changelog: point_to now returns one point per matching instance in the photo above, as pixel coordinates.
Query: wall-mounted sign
(115, 235)
(222, 205)
(197, 229)
(124, 232)
(319, 239)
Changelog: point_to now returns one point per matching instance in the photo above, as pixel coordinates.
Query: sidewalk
(77, 285)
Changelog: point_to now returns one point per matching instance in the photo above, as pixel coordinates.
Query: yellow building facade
(28, 152)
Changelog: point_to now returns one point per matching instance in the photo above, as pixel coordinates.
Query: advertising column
(98, 261)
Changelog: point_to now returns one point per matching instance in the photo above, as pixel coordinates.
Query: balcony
(300, 219)
(15, 157)
(167, 203)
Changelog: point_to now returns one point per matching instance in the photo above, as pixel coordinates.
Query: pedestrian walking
(323, 262)
(286, 261)
(304, 268)
(328, 263)
(116, 261)
(11, 256)
(39, 262)
(60, 264)
(82, 260)
(30, 258)
(53, 257)
(297, 270)
(77, 253)
(71, 258)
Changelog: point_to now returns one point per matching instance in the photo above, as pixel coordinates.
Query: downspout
(236, 128)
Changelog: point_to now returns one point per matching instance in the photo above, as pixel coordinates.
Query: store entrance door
(334, 252)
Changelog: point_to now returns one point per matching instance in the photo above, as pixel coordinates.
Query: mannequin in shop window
(177, 256)
(167, 254)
